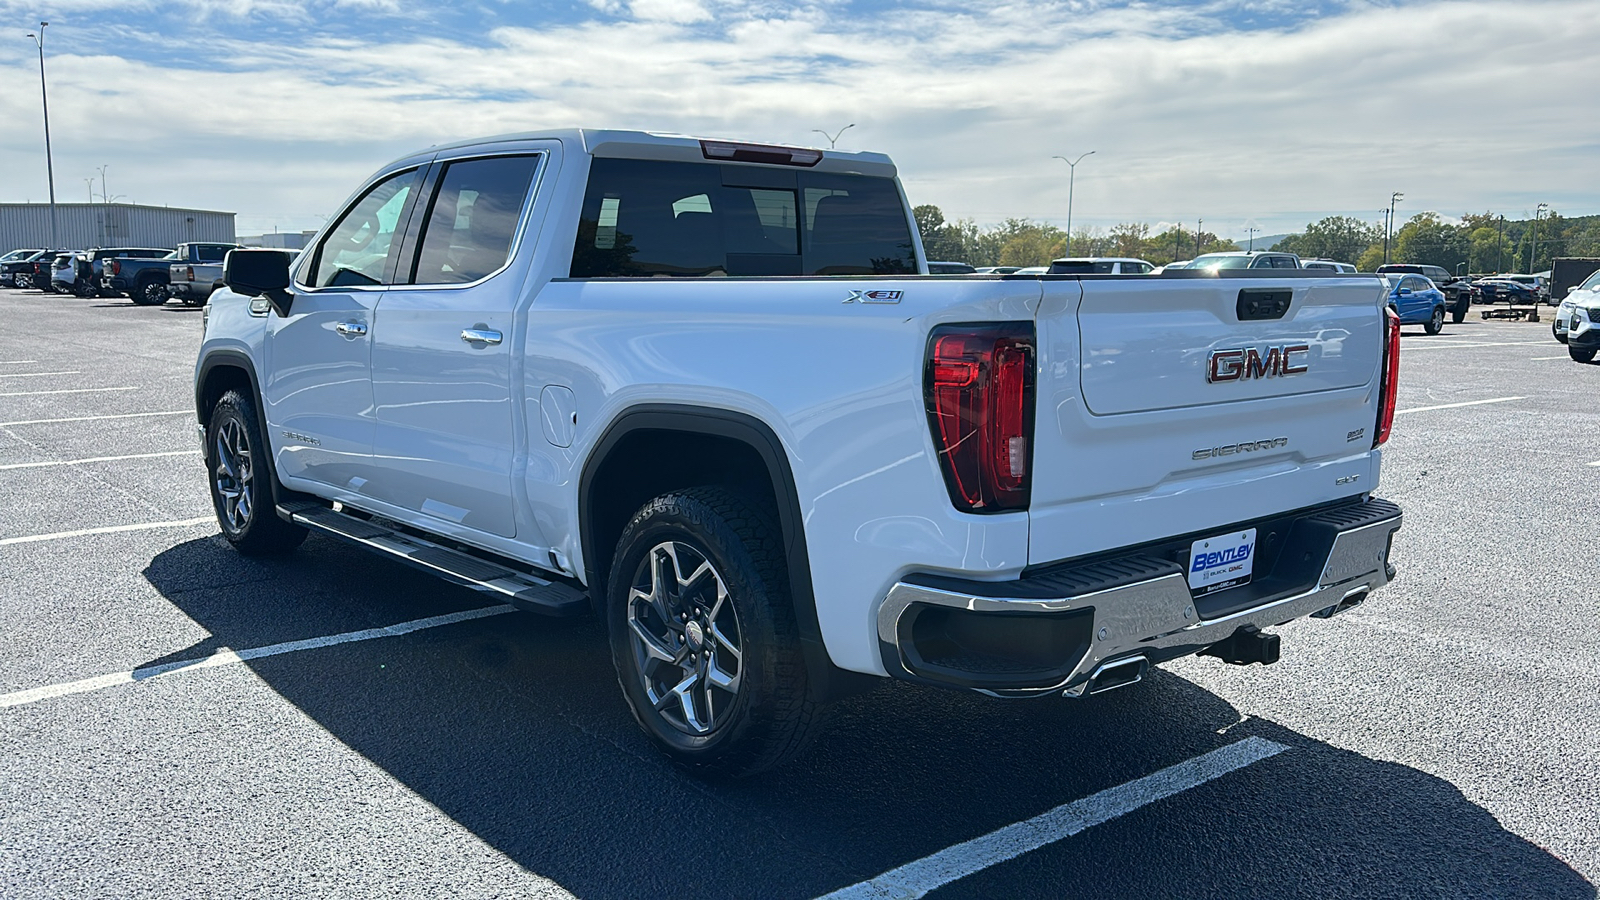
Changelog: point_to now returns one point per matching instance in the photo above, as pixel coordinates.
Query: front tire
(240, 476)
(1582, 356)
(1435, 324)
(703, 633)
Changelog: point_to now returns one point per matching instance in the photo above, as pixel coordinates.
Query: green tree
(1336, 237)
(1031, 243)
(1370, 258)
(1489, 250)
(1428, 239)
(957, 241)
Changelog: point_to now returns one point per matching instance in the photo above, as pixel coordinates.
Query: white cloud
(1188, 119)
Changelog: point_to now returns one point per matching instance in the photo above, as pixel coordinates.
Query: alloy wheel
(686, 640)
(235, 474)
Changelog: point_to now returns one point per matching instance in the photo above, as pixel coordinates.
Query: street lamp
(1072, 165)
(1252, 229)
(834, 138)
(1388, 232)
(1533, 251)
(49, 165)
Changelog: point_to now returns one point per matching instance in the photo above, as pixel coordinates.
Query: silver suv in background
(1100, 265)
(1328, 265)
(1246, 259)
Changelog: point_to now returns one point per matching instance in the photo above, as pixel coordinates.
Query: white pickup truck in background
(706, 390)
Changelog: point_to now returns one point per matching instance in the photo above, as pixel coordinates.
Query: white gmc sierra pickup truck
(706, 390)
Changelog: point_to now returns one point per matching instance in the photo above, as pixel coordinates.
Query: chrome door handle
(351, 329)
(481, 336)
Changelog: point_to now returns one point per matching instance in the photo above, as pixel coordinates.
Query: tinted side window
(472, 219)
(643, 218)
(1071, 268)
(357, 247)
(211, 254)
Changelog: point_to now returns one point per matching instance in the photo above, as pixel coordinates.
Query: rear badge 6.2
(1221, 562)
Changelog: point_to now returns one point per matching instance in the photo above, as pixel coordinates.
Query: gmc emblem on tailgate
(1238, 365)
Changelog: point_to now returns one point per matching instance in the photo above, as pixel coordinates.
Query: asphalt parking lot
(179, 721)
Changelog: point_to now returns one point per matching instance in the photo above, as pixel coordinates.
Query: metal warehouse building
(82, 226)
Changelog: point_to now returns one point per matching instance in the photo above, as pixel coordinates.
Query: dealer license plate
(1222, 562)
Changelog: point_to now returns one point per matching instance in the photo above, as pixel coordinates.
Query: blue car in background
(1418, 302)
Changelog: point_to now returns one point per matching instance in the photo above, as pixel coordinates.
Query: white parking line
(72, 391)
(108, 529)
(916, 879)
(18, 362)
(234, 657)
(1543, 358)
(1437, 345)
(35, 374)
(1457, 405)
(176, 412)
(96, 459)
(1595, 463)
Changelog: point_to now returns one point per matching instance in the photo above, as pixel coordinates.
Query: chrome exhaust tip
(1117, 673)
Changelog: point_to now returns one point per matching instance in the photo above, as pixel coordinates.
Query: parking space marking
(234, 657)
(1543, 358)
(95, 459)
(18, 362)
(1439, 345)
(916, 879)
(1595, 463)
(176, 412)
(35, 374)
(108, 529)
(72, 391)
(1458, 405)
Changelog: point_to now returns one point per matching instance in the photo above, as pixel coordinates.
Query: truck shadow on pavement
(514, 727)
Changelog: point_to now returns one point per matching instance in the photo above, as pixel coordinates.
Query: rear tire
(1582, 356)
(703, 633)
(149, 293)
(242, 480)
(1459, 314)
(1435, 324)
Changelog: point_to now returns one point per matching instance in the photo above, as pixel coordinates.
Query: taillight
(189, 272)
(1390, 380)
(116, 267)
(979, 391)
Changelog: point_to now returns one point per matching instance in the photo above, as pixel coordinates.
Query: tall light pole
(1072, 165)
(1388, 232)
(1252, 229)
(104, 197)
(1198, 224)
(834, 138)
(49, 164)
(1533, 251)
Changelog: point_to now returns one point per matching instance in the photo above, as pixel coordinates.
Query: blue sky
(1257, 112)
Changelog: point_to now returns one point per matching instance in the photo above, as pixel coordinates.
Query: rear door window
(644, 218)
(211, 253)
(472, 219)
(356, 251)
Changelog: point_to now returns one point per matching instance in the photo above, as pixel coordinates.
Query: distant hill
(1263, 241)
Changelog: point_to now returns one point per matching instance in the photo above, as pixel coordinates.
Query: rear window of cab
(654, 219)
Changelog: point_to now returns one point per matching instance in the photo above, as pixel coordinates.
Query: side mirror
(259, 273)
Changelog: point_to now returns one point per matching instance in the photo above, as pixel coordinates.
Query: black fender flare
(827, 680)
(238, 359)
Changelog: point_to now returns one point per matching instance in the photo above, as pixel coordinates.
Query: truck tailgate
(1169, 406)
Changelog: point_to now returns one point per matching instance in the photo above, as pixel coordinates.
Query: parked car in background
(1458, 290)
(1179, 264)
(192, 280)
(998, 270)
(1246, 259)
(145, 280)
(16, 268)
(194, 283)
(1500, 289)
(1583, 326)
(63, 273)
(1585, 292)
(1328, 265)
(91, 266)
(950, 268)
(1100, 265)
(1417, 300)
(1539, 284)
(1032, 270)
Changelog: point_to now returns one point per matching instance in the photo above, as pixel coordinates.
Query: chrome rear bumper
(1152, 614)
